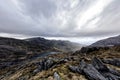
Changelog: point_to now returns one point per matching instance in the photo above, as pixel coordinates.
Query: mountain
(112, 41)
(61, 45)
(102, 64)
(27, 60)
(15, 49)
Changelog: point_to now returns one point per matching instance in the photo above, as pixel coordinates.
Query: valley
(87, 63)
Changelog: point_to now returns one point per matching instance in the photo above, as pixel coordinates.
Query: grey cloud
(36, 8)
(58, 18)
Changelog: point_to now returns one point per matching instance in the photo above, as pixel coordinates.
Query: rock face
(96, 70)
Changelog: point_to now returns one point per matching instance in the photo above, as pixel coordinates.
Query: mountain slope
(107, 42)
(15, 49)
(57, 44)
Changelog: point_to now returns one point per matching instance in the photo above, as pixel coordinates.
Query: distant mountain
(107, 42)
(56, 44)
(15, 49)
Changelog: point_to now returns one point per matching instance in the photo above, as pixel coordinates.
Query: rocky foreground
(90, 63)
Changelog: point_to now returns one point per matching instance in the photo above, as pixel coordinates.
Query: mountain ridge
(111, 41)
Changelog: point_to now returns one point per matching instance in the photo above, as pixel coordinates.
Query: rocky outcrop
(97, 70)
(112, 41)
(46, 64)
(115, 62)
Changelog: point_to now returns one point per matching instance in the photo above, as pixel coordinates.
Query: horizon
(85, 41)
(81, 21)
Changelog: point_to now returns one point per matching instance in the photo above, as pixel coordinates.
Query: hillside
(15, 49)
(65, 46)
(88, 63)
(102, 64)
(108, 42)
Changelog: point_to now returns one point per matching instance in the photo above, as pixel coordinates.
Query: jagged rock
(108, 73)
(45, 64)
(99, 65)
(115, 62)
(56, 76)
(96, 71)
(92, 73)
(89, 71)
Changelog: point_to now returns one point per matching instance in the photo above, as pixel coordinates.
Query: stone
(56, 76)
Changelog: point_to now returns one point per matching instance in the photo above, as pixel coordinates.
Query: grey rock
(75, 69)
(56, 76)
(96, 71)
(93, 73)
(46, 64)
(115, 62)
(99, 65)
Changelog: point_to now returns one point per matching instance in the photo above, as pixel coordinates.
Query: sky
(82, 21)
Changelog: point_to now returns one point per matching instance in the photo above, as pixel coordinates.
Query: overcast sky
(83, 21)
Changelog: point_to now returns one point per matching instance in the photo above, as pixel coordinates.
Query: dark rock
(99, 65)
(88, 70)
(115, 72)
(91, 49)
(96, 71)
(45, 64)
